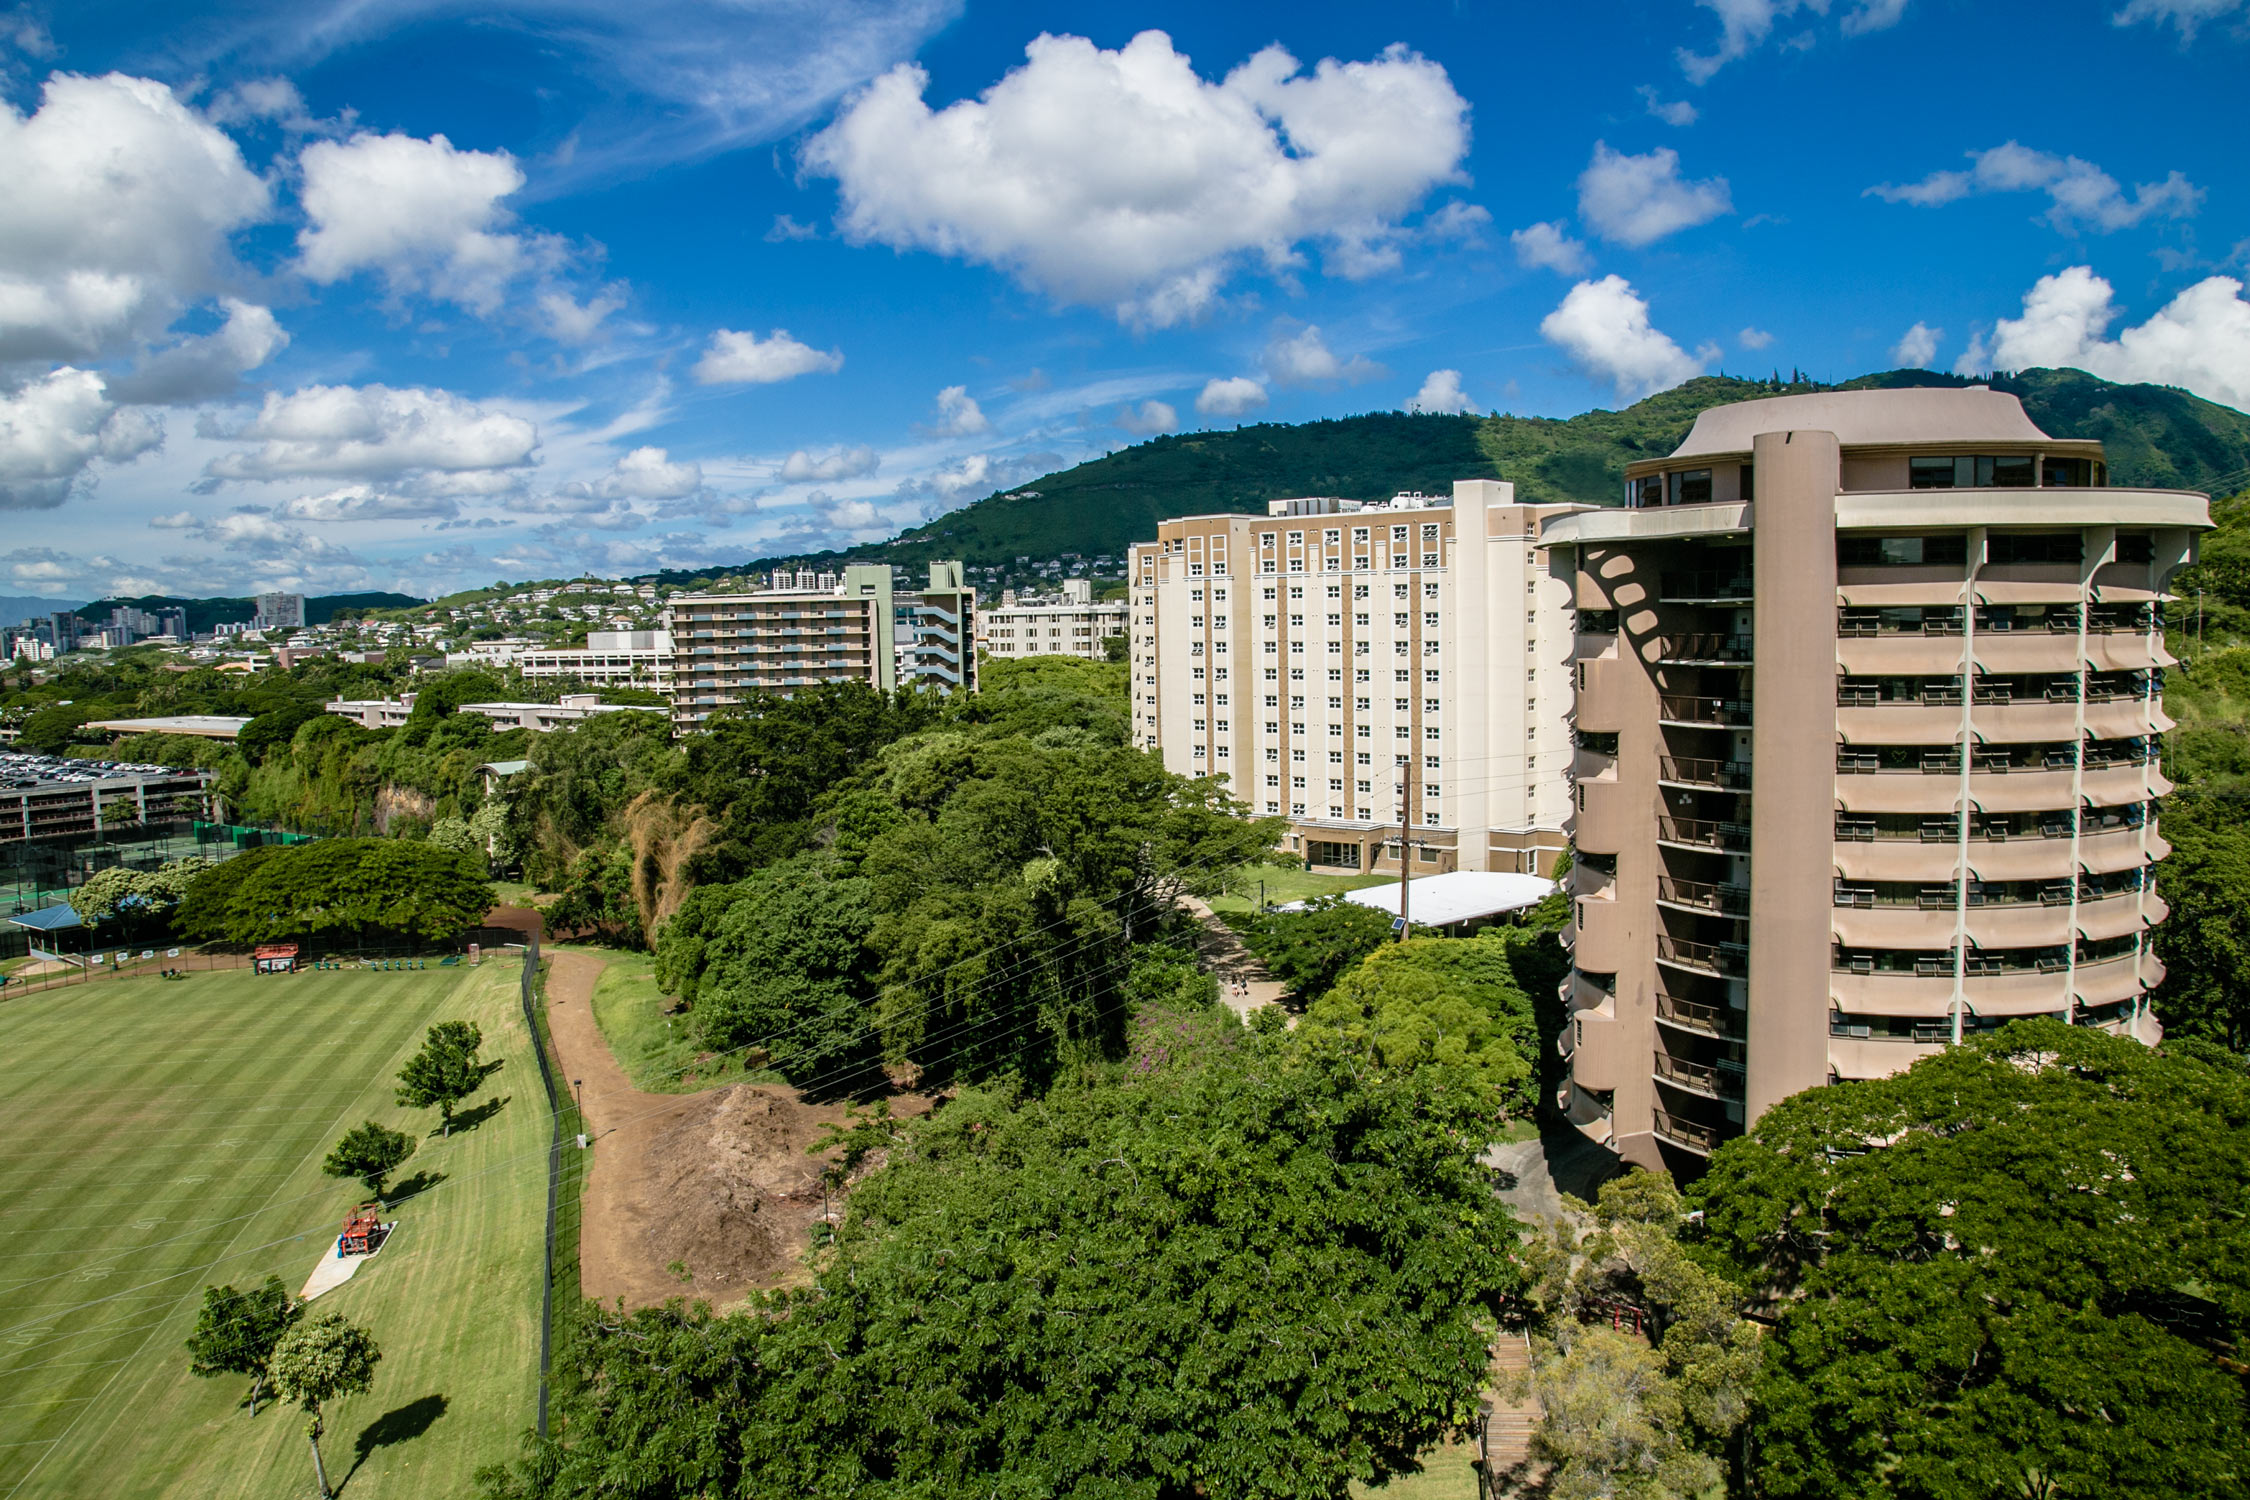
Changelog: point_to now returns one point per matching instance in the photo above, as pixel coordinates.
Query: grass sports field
(164, 1136)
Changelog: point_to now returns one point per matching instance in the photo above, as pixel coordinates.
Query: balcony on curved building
(1725, 960)
(1696, 710)
(1606, 816)
(1703, 771)
(1704, 834)
(1703, 1018)
(1710, 1080)
(1714, 898)
(1706, 586)
(1704, 649)
(1691, 1136)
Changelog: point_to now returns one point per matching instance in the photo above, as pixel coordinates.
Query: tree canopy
(1231, 1266)
(1440, 1002)
(2011, 1269)
(338, 888)
(236, 1331)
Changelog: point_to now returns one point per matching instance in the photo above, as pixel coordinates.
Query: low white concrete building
(1066, 624)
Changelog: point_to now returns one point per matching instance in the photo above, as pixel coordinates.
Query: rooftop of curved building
(1955, 416)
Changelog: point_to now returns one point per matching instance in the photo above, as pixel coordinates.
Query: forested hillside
(2156, 435)
(204, 613)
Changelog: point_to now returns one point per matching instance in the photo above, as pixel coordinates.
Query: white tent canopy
(1461, 896)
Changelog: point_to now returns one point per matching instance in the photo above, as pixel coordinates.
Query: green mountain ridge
(2157, 436)
(204, 613)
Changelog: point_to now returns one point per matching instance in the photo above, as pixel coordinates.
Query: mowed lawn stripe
(453, 1301)
(186, 1192)
(171, 1042)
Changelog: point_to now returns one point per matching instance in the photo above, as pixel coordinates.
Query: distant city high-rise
(1868, 697)
(280, 612)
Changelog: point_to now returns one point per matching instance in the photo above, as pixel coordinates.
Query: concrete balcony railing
(1720, 775)
(1698, 1017)
(1705, 648)
(1727, 960)
(1713, 1081)
(1690, 708)
(1688, 1135)
(1719, 898)
(1705, 586)
(1704, 833)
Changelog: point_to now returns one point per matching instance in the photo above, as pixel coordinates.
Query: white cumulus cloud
(1744, 26)
(1441, 392)
(2199, 340)
(1149, 419)
(1671, 111)
(650, 474)
(1917, 347)
(733, 358)
(371, 432)
(2080, 194)
(958, 413)
(53, 429)
(424, 213)
(1549, 247)
(1123, 179)
(1638, 200)
(2188, 15)
(1603, 326)
(1306, 359)
(1754, 338)
(364, 502)
(207, 366)
(804, 466)
(119, 203)
(1232, 396)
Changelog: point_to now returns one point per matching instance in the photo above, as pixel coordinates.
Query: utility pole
(1405, 839)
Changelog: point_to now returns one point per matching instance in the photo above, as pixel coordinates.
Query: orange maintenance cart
(361, 1226)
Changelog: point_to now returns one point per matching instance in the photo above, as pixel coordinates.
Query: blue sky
(337, 294)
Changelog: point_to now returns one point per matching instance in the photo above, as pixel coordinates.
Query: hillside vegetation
(2156, 435)
(203, 614)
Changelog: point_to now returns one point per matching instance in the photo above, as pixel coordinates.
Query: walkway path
(1508, 1430)
(622, 1121)
(1224, 956)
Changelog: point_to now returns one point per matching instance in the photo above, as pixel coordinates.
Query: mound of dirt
(729, 1191)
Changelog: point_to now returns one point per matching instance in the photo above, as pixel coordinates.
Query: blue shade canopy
(49, 919)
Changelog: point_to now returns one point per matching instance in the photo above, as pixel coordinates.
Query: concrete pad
(336, 1268)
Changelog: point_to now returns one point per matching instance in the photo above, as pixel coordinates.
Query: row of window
(2001, 549)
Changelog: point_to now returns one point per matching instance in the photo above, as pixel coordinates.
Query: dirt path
(718, 1183)
(1244, 983)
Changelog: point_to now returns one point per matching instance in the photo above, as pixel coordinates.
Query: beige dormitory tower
(1868, 697)
(1320, 653)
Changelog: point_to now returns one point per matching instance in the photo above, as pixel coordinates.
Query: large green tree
(236, 1331)
(1309, 950)
(340, 889)
(1233, 1267)
(2205, 941)
(446, 1071)
(779, 961)
(370, 1151)
(1440, 1002)
(2018, 1268)
(315, 1362)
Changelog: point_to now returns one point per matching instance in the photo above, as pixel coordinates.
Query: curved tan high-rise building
(1867, 702)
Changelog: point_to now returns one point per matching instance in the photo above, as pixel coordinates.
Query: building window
(2010, 471)
(2035, 547)
(1689, 487)
(1901, 551)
